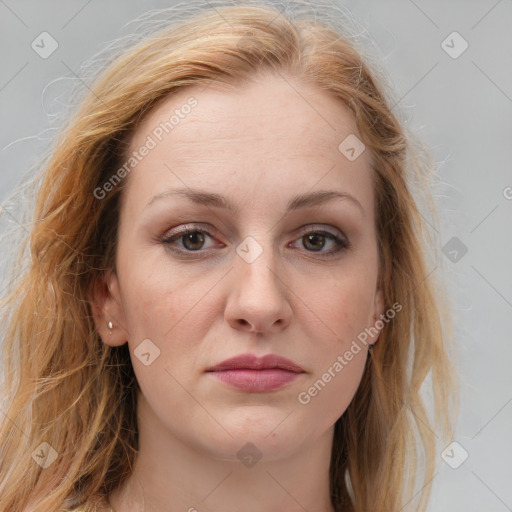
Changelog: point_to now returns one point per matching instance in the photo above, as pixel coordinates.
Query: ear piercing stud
(110, 326)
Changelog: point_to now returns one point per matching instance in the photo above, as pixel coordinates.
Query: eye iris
(315, 238)
(193, 241)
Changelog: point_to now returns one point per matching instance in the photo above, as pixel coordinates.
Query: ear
(378, 311)
(107, 307)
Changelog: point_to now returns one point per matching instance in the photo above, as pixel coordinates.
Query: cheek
(161, 307)
(341, 306)
(339, 356)
(157, 295)
(326, 397)
(171, 308)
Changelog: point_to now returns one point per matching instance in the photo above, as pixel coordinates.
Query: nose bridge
(256, 263)
(258, 300)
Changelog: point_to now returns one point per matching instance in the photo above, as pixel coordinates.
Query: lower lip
(256, 381)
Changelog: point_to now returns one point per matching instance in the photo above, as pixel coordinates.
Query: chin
(273, 435)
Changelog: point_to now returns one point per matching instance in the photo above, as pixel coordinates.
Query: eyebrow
(219, 201)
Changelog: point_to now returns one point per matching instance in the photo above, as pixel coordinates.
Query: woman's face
(281, 259)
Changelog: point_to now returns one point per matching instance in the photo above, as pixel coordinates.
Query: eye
(187, 240)
(192, 239)
(318, 240)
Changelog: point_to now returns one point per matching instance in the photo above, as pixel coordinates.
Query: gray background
(461, 107)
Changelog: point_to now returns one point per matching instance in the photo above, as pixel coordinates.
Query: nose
(258, 301)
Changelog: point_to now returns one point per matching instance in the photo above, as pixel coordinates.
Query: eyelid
(338, 237)
(190, 225)
(179, 231)
(307, 228)
(322, 228)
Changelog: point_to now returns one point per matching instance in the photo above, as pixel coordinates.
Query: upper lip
(253, 362)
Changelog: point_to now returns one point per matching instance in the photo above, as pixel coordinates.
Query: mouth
(250, 373)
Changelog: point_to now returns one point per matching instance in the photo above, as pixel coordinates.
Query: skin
(259, 146)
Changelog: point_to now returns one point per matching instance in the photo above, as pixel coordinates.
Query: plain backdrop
(458, 99)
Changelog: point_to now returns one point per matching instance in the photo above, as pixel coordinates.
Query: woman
(228, 304)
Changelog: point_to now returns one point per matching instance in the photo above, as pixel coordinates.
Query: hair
(65, 387)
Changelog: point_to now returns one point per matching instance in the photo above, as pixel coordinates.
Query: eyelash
(341, 242)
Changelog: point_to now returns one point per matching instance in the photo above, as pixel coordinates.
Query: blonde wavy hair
(65, 387)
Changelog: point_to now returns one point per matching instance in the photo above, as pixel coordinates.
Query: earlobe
(107, 310)
(378, 311)
(379, 304)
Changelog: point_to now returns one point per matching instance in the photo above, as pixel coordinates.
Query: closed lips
(251, 374)
(252, 362)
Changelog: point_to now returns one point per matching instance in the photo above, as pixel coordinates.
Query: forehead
(268, 106)
(274, 132)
